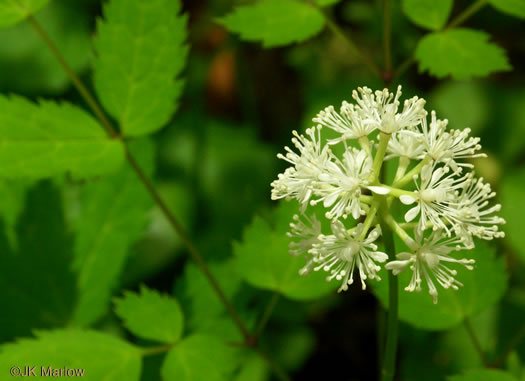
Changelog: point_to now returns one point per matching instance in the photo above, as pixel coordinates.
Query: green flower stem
(380, 155)
(176, 225)
(397, 192)
(366, 199)
(410, 175)
(401, 233)
(364, 143)
(402, 167)
(389, 358)
(369, 219)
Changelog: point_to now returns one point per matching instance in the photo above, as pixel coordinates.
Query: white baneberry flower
(343, 182)
(473, 215)
(341, 252)
(406, 143)
(380, 109)
(347, 122)
(301, 180)
(439, 189)
(448, 200)
(430, 261)
(305, 232)
(448, 146)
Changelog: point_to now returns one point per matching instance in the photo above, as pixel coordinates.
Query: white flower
(343, 182)
(380, 109)
(305, 231)
(473, 215)
(407, 143)
(347, 123)
(438, 190)
(447, 147)
(430, 261)
(340, 253)
(301, 180)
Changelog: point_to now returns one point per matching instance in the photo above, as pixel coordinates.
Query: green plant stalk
(389, 357)
(467, 13)
(112, 132)
(387, 40)
(353, 47)
(380, 155)
(266, 316)
(475, 341)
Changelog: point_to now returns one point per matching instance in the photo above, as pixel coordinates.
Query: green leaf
(38, 287)
(46, 139)
(465, 104)
(204, 311)
(140, 53)
(111, 217)
(429, 14)
(253, 369)
(14, 11)
(100, 356)
(483, 375)
(461, 53)
(26, 63)
(483, 287)
(512, 197)
(264, 261)
(326, 3)
(198, 358)
(151, 315)
(512, 7)
(275, 22)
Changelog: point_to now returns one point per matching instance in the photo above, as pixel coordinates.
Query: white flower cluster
(448, 206)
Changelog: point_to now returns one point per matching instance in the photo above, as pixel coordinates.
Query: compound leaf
(112, 214)
(140, 52)
(275, 22)
(429, 14)
(91, 355)
(461, 53)
(151, 315)
(14, 11)
(46, 139)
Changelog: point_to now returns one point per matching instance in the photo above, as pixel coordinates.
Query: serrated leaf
(200, 357)
(430, 14)
(151, 315)
(204, 311)
(461, 53)
(38, 287)
(483, 375)
(513, 200)
(100, 356)
(46, 139)
(28, 66)
(112, 214)
(14, 11)
(482, 287)
(264, 262)
(512, 7)
(140, 52)
(275, 22)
